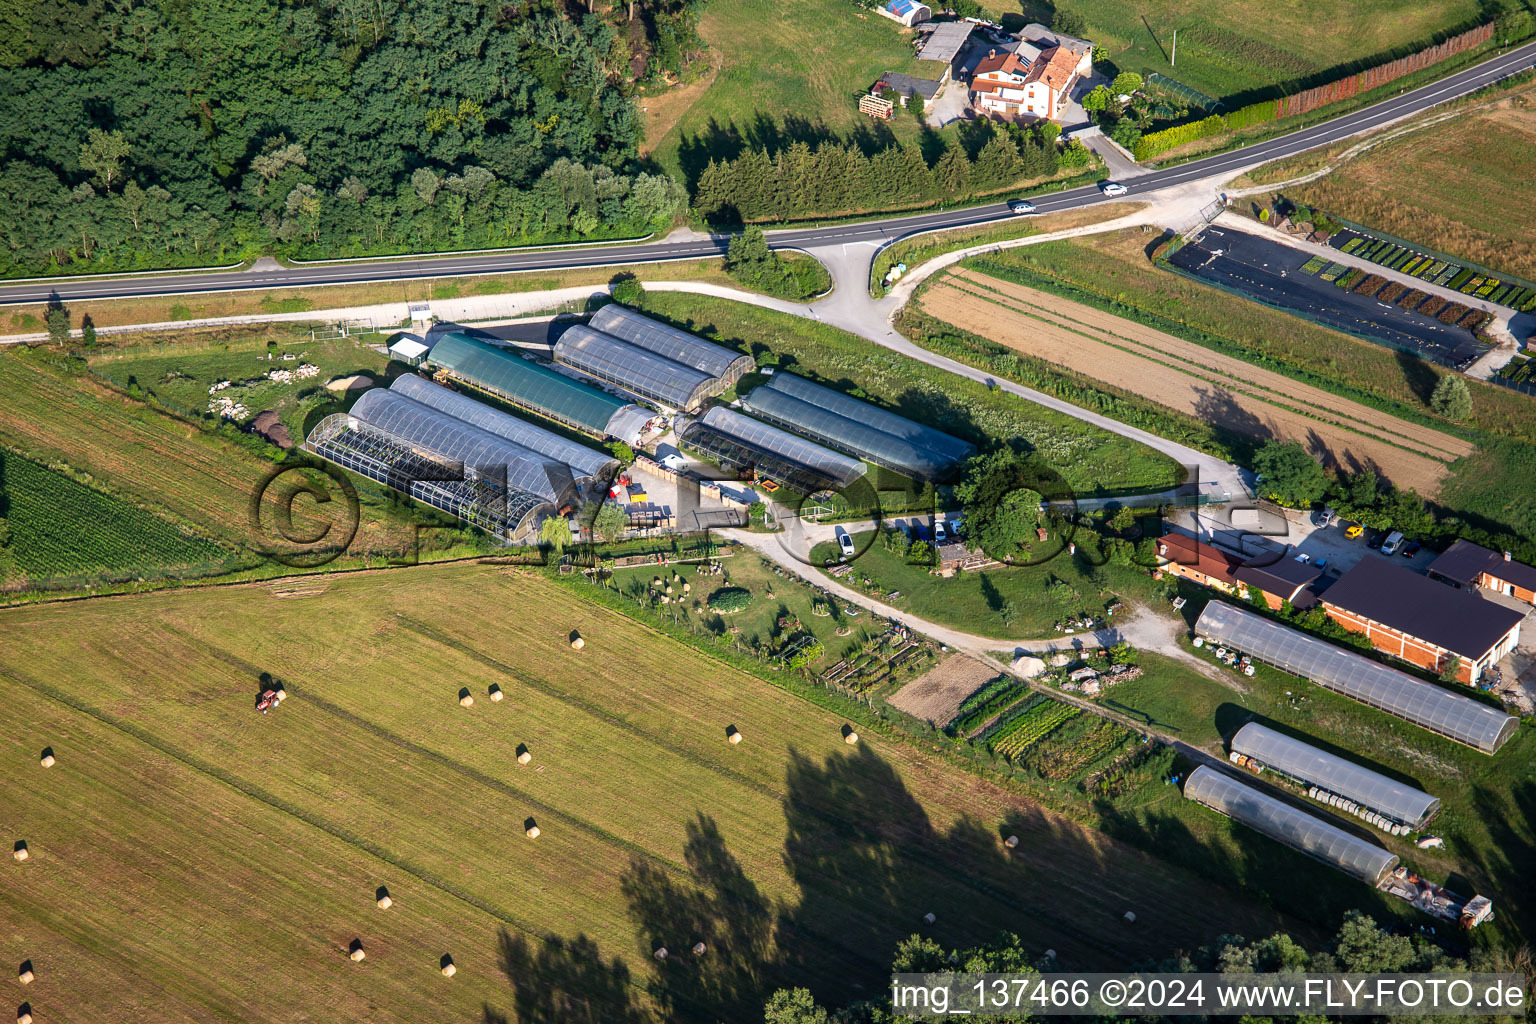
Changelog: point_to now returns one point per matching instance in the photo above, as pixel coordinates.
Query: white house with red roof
(1034, 80)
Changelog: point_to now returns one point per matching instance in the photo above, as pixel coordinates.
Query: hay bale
(446, 966)
(23, 1015)
(1011, 842)
(661, 953)
(698, 949)
(849, 736)
(1130, 917)
(495, 692)
(355, 951)
(20, 851)
(24, 973)
(524, 755)
(732, 734)
(465, 698)
(578, 643)
(279, 695)
(929, 918)
(531, 827)
(382, 898)
(47, 757)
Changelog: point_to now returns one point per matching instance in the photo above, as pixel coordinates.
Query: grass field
(1091, 460)
(1227, 49)
(1432, 187)
(1222, 390)
(983, 602)
(193, 860)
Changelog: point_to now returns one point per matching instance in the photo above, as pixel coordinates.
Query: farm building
(1273, 817)
(1422, 621)
(1182, 555)
(1357, 677)
(857, 428)
(1280, 579)
(409, 349)
(1468, 565)
(943, 43)
(473, 474)
(719, 362)
(528, 385)
(586, 463)
(1309, 766)
(907, 12)
(653, 377)
(905, 86)
(741, 442)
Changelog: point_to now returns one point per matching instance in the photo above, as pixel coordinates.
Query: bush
(1254, 113)
(626, 290)
(1151, 145)
(1451, 398)
(729, 600)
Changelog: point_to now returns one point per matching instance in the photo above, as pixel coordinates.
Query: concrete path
(1121, 165)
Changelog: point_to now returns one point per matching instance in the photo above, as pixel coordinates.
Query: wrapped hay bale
(47, 758)
(382, 898)
(446, 966)
(698, 949)
(1011, 842)
(577, 643)
(524, 755)
(661, 953)
(929, 918)
(355, 951)
(495, 692)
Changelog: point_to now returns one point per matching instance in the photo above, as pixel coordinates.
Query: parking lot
(1254, 531)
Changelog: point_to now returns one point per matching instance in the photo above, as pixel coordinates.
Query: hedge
(1149, 146)
(1252, 114)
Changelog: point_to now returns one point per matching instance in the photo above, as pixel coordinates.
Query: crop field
(1227, 49)
(1431, 187)
(60, 528)
(191, 859)
(1189, 378)
(1024, 727)
(1093, 461)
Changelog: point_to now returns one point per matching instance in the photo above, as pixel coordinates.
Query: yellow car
(1354, 531)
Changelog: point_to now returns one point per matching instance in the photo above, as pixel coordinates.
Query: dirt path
(1194, 380)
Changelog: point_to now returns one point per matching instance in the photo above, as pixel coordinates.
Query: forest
(194, 132)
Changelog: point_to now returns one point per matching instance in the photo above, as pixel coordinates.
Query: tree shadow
(1419, 375)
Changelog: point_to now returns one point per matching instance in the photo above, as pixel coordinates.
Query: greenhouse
(586, 463)
(671, 343)
(1359, 678)
(857, 427)
(1251, 806)
(426, 476)
(1309, 766)
(741, 442)
(538, 388)
(634, 369)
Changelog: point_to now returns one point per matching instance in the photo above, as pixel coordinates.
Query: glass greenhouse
(671, 343)
(1397, 693)
(586, 463)
(634, 369)
(1308, 765)
(1251, 806)
(538, 388)
(738, 441)
(860, 428)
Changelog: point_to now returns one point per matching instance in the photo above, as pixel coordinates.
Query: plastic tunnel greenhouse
(1359, 678)
(738, 441)
(1251, 806)
(671, 343)
(1308, 765)
(634, 369)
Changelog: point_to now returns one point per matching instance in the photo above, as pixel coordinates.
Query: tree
(87, 332)
(1452, 398)
(1011, 524)
(1451, 671)
(57, 319)
(1097, 99)
(622, 451)
(757, 511)
(627, 290)
(793, 1006)
(1125, 82)
(554, 533)
(103, 155)
(915, 106)
(1290, 475)
(1069, 23)
(609, 522)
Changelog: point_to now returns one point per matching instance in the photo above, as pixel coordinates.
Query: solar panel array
(525, 383)
(586, 462)
(635, 369)
(671, 343)
(1397, 693)
(1306, 763)
(480, 452)
(866, 430)
(836, 468)
(1245, 803)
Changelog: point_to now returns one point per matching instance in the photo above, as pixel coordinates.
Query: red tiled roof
(1055, 68)
(1187, 551)
(1004, 63)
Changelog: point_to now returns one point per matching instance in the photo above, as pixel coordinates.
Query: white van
(1392, 543)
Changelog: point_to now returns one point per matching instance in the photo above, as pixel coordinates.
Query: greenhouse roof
(1251, 806)
(636, 369)
(671, 343)
(481, 453)
(537, 386)
(584, 462)
(1306, 763)
(1397, 693)
(757, 434)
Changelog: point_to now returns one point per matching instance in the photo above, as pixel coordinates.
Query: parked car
(1326, 517)
(1354, 531)
(1392, 543)
(940, 535)
(1019, 207)
(1374, 540)
(1410, 549)
(846, 543)
(1112, 188)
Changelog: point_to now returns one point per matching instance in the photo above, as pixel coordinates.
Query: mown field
(193, 859)
(1226, 49)
(1437, 188)
(1223, 390)
(1092, 461)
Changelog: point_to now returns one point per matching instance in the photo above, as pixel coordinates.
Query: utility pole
(1173, 61)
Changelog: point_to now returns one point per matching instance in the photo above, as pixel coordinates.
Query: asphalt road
(1349, 125)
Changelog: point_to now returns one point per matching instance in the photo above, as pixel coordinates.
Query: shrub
(626, 290)
(1451, 398)
(1254, 113)
(1151, 145)
(729, 600)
